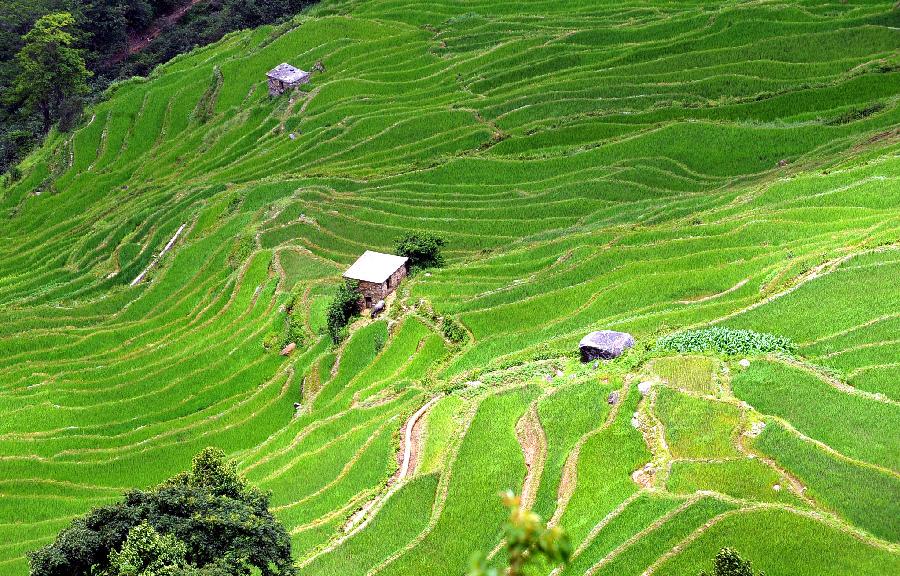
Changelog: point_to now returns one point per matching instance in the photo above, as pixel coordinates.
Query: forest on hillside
(100, 31)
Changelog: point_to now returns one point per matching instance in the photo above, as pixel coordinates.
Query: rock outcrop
(604, 345)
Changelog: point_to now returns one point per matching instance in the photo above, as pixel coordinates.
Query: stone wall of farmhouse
(376, 292)
(371, 292)
(278, 87)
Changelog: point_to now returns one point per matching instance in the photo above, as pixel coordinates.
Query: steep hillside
(648, 168)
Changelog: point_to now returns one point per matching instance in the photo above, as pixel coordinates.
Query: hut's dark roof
(287, 73)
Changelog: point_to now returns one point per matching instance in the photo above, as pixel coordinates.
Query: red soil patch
(139, 40)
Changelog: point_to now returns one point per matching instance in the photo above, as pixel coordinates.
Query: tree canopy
(343, 306)
(207, 521)
(422, 248)
(147, 553)
(729, 563)
(52, 72)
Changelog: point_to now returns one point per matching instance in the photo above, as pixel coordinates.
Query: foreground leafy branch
(528, 539)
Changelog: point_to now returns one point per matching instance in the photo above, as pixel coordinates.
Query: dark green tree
(224, 524)
(52, 75)
(422, 248)
(729, 563)
(139, 14)
(343, 306)
(105, 26)
(147, 553)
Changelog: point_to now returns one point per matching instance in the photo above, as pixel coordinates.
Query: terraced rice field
(646, 168)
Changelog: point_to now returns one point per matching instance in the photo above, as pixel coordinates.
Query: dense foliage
(729, 563)
(113, 37)
(453, 330)
(52, 73)
(343, 306)
(422, 248)
(725, 341)
(206, 22)
(147, 553)
(208, 517)
(295, 331)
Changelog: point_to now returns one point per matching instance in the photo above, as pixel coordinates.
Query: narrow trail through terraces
(533, 441)
(412, 441)
(412, 449)
(531, 437)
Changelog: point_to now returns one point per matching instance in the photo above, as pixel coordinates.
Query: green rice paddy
(649, 166)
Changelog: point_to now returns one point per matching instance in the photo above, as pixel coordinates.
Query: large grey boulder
(604, 345)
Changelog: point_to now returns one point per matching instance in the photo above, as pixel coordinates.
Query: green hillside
(649, 166)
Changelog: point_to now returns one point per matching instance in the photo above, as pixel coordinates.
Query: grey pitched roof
(287, 73)
(375, 267)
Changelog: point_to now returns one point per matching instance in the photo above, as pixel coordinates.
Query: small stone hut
(378, 275)
(284, 77)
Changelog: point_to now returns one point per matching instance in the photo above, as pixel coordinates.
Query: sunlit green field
(645, 167)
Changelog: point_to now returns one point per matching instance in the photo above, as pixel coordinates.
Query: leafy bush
(147, 553)
(343, 306)
(422, 248)
(208, 516)
(725, 341)
(270, 340)
(452, 330)
(296, 331)
(729, 563)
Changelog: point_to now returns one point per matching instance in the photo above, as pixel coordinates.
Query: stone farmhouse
(284, 77)
(378, 275)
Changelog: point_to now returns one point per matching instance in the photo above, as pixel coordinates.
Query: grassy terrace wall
(590, 166)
